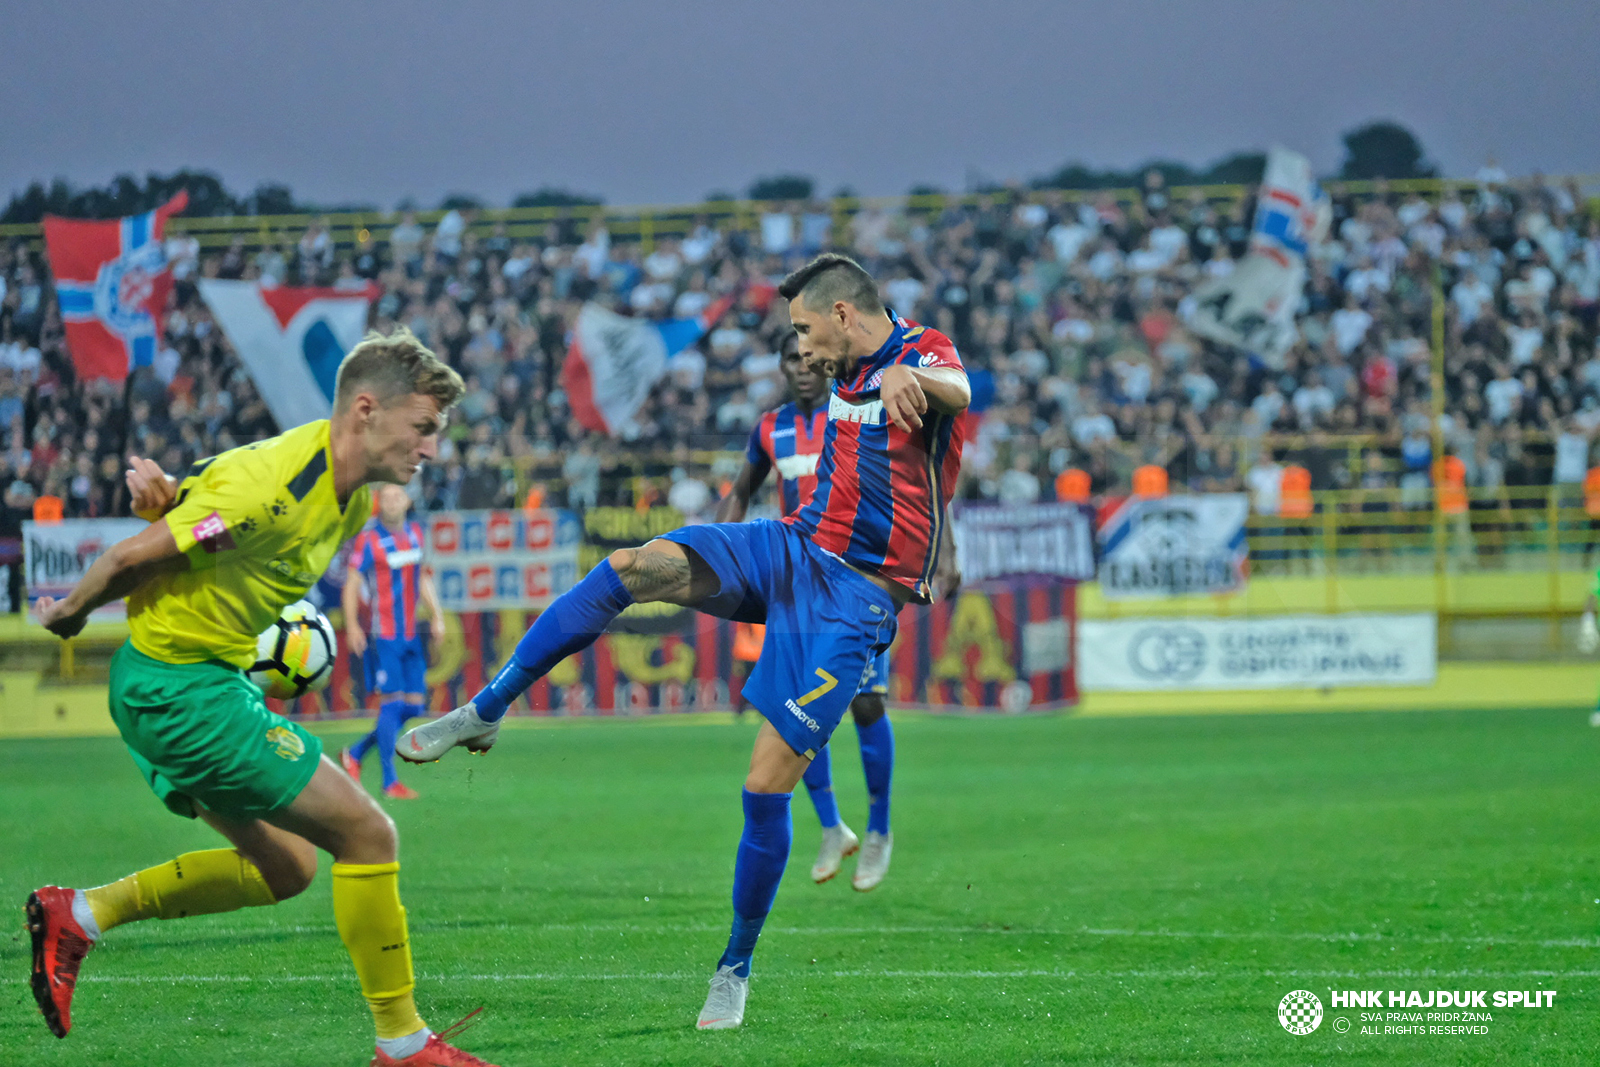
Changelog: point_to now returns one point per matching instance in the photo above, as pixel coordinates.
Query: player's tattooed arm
(120, 570)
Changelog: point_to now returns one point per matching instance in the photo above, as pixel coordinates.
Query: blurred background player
(829, 581)
(247, 533)
(386, 560)
(789, 441)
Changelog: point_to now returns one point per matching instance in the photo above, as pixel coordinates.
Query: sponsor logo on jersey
(283, 570)
(842, 410)
(211, 533)
(405, 558)
(798, 466)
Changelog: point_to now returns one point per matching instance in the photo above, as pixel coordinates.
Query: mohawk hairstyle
(830, 278)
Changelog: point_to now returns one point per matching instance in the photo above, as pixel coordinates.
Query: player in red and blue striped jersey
(828, 582)
(789, 441)
(386, 560)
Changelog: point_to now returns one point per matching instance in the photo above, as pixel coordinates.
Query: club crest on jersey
(842, 410)
(286, 744)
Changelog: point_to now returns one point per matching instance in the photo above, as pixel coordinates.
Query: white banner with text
(1274, 652)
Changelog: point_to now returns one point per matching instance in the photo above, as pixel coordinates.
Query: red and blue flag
(112, 279)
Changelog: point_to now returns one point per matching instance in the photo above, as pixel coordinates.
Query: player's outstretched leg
(838, 841)
(569, 625)
(66, 923)
(877, 760)
(757, 871)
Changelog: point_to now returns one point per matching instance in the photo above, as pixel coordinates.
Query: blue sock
(360, 749)
(763, 851)
(819, 783)
(877, 759)
(391, 716)
(569, 625)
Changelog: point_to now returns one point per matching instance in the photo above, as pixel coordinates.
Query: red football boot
(400, 791)
(59, 945)
(435, 1053)
(351, 765)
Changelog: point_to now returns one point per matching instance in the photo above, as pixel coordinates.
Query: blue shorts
(826, 624)
(396, 665)
(877, 679)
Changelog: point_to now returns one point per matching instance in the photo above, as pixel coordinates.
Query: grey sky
(349, 100)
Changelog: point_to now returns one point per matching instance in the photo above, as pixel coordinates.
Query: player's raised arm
(119, 571)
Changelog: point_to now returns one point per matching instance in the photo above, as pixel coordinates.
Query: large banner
(1281, 652)
(112, 279)
(56, 554)
(1253, 307)
(502, 560)
(291, 340)
(1041, 541)
(1175, 546)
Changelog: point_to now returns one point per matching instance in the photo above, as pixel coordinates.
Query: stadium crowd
(1072, 310)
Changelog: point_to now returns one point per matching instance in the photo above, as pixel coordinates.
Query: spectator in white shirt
(1093, 425)
(1471, 294)
(1265, 480)
(1501, 394)
(1350, 325)
(1313, 400)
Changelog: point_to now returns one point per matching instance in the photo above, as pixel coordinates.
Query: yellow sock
(196, 883)
(372, 925)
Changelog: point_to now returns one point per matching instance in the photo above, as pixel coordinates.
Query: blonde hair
(394, 366)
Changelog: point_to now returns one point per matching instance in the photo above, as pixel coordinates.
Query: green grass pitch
(1138, 891)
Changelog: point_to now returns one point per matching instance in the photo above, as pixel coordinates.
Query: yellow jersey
(260, 524)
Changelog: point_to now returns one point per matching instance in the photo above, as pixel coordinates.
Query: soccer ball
(294, 655)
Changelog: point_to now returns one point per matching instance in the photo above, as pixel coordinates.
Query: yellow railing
(647, 222)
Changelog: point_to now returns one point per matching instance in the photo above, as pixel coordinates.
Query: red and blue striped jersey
(881, 492)
(791, 444)
(391, 560)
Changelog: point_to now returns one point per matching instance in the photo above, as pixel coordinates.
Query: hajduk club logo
(1300, 1012)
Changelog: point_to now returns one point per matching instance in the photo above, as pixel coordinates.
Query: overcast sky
(348, 100)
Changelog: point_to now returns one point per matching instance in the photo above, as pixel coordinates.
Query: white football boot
(426, 743)
(837, 843)
(874, 861)
(724, 1008)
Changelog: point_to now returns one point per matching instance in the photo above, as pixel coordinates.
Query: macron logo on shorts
(794, 709)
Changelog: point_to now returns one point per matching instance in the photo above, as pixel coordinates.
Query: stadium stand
(1074, 304)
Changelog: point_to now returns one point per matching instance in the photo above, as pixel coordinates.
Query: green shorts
(202, 732)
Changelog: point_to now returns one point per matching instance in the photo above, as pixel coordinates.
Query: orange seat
(1294, 493)
(48, 509)
(1150, 481)
(535, 498)
(1072, 486)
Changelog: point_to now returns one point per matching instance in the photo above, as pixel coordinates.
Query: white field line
(863, 931)
(686, 976)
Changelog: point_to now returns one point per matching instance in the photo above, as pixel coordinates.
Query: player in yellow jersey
(249, 532)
